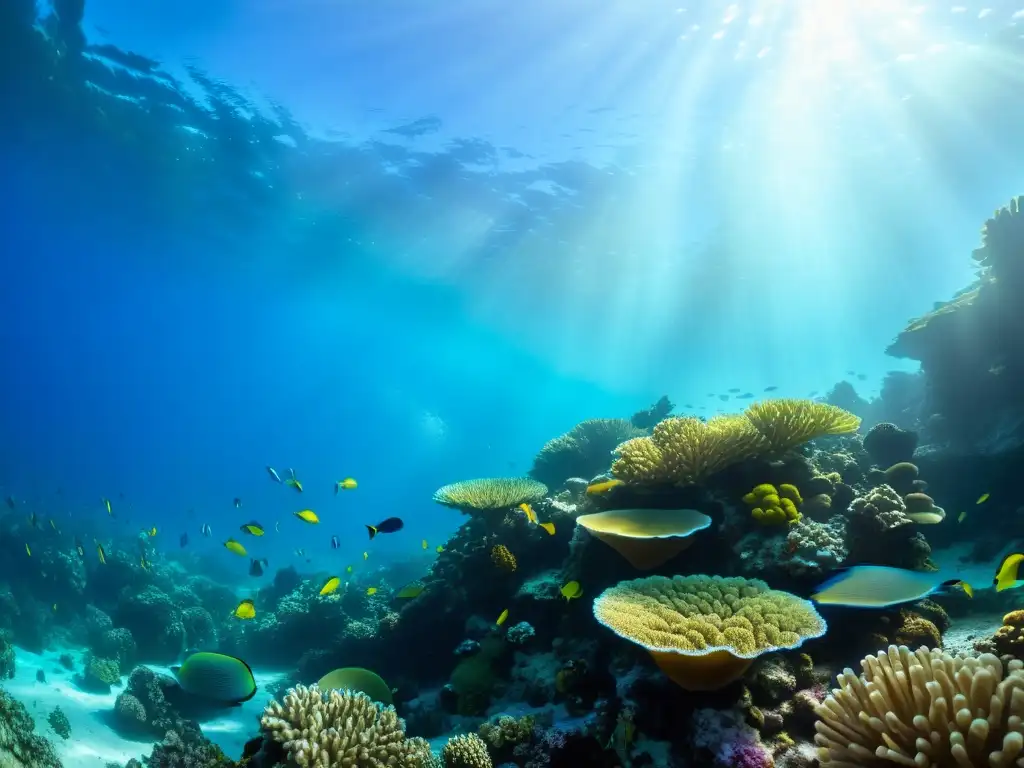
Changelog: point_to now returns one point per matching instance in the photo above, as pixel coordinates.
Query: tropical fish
(238, 502)
(29, 551)
(331, 585)
(335, 542)
(1006, 574)
(273, 474)
(206, 530)
(357, 679)
(151, 532)
(216, 677)
(745, 396)
(879, 586)
(143, 562)
(410, 591)
(531, 516)
(723, 398)
(11, 502)
(366, 555)
(371, 590)
(79, 548)
(256, 566)
(294, 484)
(390, 525)
(101, 553)
(424, 544)
(571, 590)
(245, 610)
(106, 503)
(253, 528)
(183, 540)
(982, 499)
(277, 526)
(549, 527)
(439, 549)
(733, 389)
(502, 617)
(300, 552)
(54, 525)
(603, 486)
(33, 521)
(308, 516)
(235, 548)
(347, 484)
(961, 516)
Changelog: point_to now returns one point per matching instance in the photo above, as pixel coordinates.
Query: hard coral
(490, 493)
(502, 558)
(1009, 638)
(334, 729)
(786, 423)
(583, 451)
(815, 547)
(887, 444)
(187, 748)
(466, 752)
(20, 746)
(774, 507)
(507, 731)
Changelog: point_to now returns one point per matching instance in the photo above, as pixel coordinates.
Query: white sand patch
(93, 743)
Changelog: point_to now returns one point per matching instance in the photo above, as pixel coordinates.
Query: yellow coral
(786, 423)
(705, 631)
(491, 493)
(341, 729)
(790, 492)
(503, 558)
(774, 507)
(467, 751)
(640, 461)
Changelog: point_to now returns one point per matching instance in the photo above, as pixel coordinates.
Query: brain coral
(341, 729)
(924, 708)
(490, 493)
(705, 631)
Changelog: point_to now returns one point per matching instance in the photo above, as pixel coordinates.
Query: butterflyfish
(235, 548)
(245, 610)
(410, 591)
(216, 677)
(371, 590)
(549, 527)
(357, 679)
(502, 617)
(1006, 573)
(347, 484)
(571, 590)
(143, 563)
(331, 585)
(273, 474)
(390, 525)
(151, 532)
(982, 499)
(101, 553)
(307, 516)
(531, 516)
(879, 586)
(253, 528)
(603, 486)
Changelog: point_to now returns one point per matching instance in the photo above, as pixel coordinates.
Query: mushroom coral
(924, 708)
(705, 631)
(645, 537)
(490, 493)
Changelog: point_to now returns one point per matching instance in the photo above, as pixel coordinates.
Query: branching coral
(490, 493)
(507, 730)
(924, 708)
(787, 423)
(466, 752)
(584, 451)
(882, 508)
(341, 729)
(704, 631)
(503, 559)
(816, 547)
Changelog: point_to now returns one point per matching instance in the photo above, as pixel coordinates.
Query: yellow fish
(967, 588)
(1006, 573)
(107, 503)
(366, 555)
(549, 527)
(501, 619)
(571, 590)
(410, 591)
(604, 486)
(294, 484)
(371, 590)
(345, 485)
(330, 586)
(245, 610)
(531, 516)
(308, 516)
(439, 549)
(253, 529)
(101, 553)
(348, 569)
(29, 551)
(961, 517)
(152, 531)
(143, 562)
(424, 544)
(982, 499)
(234, 547)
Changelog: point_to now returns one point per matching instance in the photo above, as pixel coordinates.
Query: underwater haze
(405, 294)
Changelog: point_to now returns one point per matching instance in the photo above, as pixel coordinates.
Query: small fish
(879, 586)
(1006, 573)
(962, 516)
(300, 552)
(206, 530)
(335, 542)
(102, 554)
(106, 503)
(308, 516)
(812, 393)
(183, 540)
(54, 609)
(143, 563)
(33, 520)
(216, 677)
(256, 566)
(53, 525)
(424, 544)
(29, 551)
(294, 484)
(371, 590)
(733, 390)
(723, 398)
(862, 377)
(79, 548)
(245, 610)
(252, 528)
(277, 526)
(771, 388)
(348, 569)
(410, 591)
(502, 617)
(151, 532)
(571, 590)
(603, 487)
(439, 549)
(332, 584)
(273, 474)
(238, 502)
(549, 527)
(235, 548)
(531, 516)
(982, 499)
(390, 525)
(745, 396)
(347, 484)
(366, 555)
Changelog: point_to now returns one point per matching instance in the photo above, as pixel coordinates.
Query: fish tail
(372, 530)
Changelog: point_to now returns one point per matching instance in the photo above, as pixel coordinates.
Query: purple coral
(744, 752)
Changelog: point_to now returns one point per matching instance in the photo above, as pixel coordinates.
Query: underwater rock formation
(20, 746)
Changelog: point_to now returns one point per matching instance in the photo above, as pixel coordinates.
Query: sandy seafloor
(93, 743)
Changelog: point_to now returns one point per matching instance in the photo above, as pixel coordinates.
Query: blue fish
(879, 586)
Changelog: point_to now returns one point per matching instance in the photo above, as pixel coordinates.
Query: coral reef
(467, 751)
(59, 722)
(495, 493)
(20, 746)
(584, 451)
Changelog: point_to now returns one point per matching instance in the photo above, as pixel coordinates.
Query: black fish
(390, 525)
(238, 502)
(256, 567)
(183, 540)
(335, 542)
(745, 396)
(770, 389)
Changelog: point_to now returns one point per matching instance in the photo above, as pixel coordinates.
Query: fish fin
(372, 530)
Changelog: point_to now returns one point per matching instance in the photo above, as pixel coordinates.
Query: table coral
(490, 493)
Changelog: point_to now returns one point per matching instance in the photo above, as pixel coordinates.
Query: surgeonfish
(531, 516)
(1007, 572)
(53, 525)
(549, 527)
(571, 590)
(216, 677)
(347, 484)
(332, 584)
(245, 610)
(603, 486)
(253, 528)
(879, 586)
(390, 525)
(770, 389)
(143, 563)
(335, 542)
(33, 521)
(293, 481)
(982, 499)
(348, 569)
(206, 530)
(256, 566)
(371, 590)
(101, 553)
(235, 548)
(308, 516)
(273, 474)
(357, 679)
(300, 552)
(410, 591)
(502, 617)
